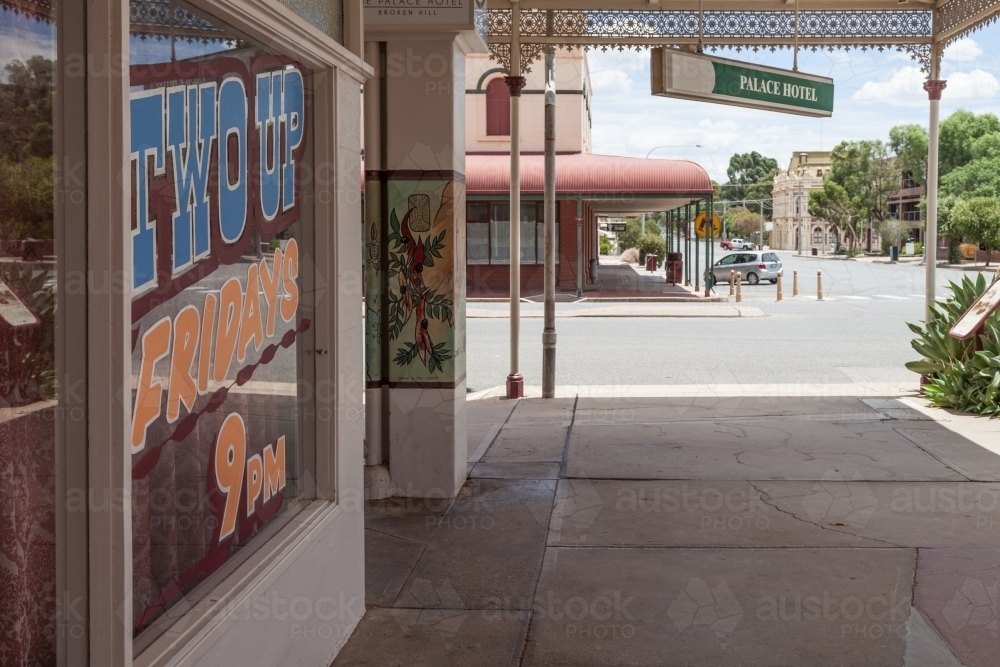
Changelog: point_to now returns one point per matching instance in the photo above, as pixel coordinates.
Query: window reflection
(27, 334)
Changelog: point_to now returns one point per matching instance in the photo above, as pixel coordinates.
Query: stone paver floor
(721, 532)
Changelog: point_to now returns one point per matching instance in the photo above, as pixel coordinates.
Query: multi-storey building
(791, 196)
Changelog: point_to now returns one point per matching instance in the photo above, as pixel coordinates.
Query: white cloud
(976, 84)
(905, 88)
(963, 51)
(610, 83)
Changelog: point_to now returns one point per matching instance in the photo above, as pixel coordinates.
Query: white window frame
(338, 74)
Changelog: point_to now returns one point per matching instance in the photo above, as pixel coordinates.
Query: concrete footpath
(813, 526)
(626, 310)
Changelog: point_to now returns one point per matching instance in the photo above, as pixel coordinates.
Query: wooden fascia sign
(974, 319)
(702, 78)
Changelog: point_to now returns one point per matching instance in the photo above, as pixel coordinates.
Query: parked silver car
(753, 266)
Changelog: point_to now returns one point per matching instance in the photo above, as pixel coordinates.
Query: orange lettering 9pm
(230, 461)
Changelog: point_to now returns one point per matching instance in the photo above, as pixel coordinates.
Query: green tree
(978, 220)
(909, 144)
(741, 222)
(865, 170)
(958, 133)
(832, 203)
(894, 231)
(633, 231)
(978, 178)
(986, 146)
(746, 169)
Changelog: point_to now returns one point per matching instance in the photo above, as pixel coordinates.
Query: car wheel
(752, 278)
(774, 280)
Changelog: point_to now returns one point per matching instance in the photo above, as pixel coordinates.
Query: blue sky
(874, 91)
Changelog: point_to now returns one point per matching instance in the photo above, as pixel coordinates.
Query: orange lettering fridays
(204, 343)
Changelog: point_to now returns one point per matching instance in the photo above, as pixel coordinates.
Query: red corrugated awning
(588, 173)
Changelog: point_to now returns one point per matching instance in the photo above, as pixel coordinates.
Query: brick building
(587, 184)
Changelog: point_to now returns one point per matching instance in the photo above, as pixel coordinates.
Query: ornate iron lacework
(40, 10)
(955, 13)
(161, 19)
(500, 53)
(738, 26)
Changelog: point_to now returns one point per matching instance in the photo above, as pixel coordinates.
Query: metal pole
(761, 224)
(549, 333)
(579, 247)
(799, 206)
(697, 251)
(933, 86)
(687, 245)
(709, 245)
(515, 82)
(643, 224)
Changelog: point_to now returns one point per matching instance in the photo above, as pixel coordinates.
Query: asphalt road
(859, 331)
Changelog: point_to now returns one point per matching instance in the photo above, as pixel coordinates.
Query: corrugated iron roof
(588, 173)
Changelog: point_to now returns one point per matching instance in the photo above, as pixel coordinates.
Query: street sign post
(701, 226)
(617, 226)
(975, 317)
(704, 78)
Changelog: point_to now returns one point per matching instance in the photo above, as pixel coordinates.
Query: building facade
(791, 198)
(587, 184)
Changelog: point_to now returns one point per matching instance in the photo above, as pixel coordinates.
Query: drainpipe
(579, 247)
(515, 82)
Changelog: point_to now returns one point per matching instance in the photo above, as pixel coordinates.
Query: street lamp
(659, 147)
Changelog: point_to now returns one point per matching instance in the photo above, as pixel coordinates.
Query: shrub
(652, 243)
(605, 245)
(959, 377)
(631, 255)
(918, 249)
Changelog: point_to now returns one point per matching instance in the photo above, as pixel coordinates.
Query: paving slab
(435, 638)
(515, 470)
(722, 607)
(957, 593)
(764, 449)
(388, 563)
(413, 519)
(527, 443)
(626, 409)
(542, 412)
(955, 450)
(489, 546)
(484, 418)
(834, 512)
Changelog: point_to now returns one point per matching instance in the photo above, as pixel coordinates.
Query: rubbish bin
(815, 252)
(675, 267)
(651, 262)
(894, 253)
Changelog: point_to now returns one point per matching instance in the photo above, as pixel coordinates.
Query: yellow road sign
(700, 225)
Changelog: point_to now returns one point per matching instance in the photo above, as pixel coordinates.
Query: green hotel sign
(693, 76)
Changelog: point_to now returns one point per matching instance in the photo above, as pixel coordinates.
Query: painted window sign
(221, 198)
(233, 145)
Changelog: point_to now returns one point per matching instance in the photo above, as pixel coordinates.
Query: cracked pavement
(698, 531)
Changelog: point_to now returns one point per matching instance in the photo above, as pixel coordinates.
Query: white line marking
(890, 296)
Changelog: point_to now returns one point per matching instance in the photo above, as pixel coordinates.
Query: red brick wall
(493, 280)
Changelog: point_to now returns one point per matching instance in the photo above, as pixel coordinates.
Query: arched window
(497, 109)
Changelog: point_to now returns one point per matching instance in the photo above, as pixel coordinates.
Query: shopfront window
(221, 241)
(28, 301)
(491, 245)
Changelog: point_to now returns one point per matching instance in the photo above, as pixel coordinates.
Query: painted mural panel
(426, 279)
